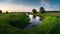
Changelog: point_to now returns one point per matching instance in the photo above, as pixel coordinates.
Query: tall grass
(7, 28)
(44, 28)
(47, 26)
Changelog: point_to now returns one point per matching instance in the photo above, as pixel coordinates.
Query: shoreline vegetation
(14, 23)
(47, 26)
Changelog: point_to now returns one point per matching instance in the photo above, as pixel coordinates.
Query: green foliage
(56, 30)
(34, 10)
(44, 28)
(0, 11)
(5, 27)
(18, 20)
(42, 10)
(47, 25)
(6, 11)
(11, 24)
(8, 20)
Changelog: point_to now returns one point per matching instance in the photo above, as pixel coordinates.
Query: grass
(56, 30)
(49, 25)
(44, 28)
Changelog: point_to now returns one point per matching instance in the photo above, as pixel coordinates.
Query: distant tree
(0, 11)
(34, 10)
(6, 11)
(42, 10)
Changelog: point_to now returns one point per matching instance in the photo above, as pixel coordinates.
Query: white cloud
(7, 0)
(16, 7)
(44, 2)
(47, 5)
(55, 6)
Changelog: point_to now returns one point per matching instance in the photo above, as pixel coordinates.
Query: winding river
(34, 21)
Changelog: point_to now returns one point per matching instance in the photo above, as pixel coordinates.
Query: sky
(28, 5)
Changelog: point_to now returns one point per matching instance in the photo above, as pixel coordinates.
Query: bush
(34, 10)
(5, 27)
(18, 20)
(6, 12)
(42, 10)
(0, 11)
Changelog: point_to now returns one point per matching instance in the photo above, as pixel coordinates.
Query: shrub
(10, 22)
(42, 10)
(18, 20)
(0, 11)
(5, 27)
(34, 10)
(6, 11)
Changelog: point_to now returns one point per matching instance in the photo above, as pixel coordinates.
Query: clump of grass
(44, 28)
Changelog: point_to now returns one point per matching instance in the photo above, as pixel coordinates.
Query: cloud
(7, 0)
(44, 2)
(6, 5)
(15, 7)
(47, 5)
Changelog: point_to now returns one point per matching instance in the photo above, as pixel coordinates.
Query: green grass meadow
(12, 22)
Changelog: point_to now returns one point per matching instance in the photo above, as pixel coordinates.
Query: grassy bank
(49, 25)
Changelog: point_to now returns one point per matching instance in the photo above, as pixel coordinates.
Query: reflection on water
(34, 20)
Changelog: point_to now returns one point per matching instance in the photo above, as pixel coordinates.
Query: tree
(0, 11)
(34, 10)
(42, 10)
(6, 11)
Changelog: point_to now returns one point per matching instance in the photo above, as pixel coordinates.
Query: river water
(34, 21)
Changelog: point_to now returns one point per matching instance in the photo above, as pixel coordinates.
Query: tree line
(41, 10)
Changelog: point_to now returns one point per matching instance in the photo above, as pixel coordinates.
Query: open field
(49, 25)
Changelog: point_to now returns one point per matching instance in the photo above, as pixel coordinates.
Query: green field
(13, 22)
